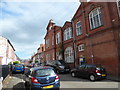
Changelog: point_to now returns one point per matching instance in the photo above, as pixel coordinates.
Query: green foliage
(36, 61)
(16, 62)
(60, 48)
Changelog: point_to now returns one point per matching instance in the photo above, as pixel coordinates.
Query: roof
(41, 67)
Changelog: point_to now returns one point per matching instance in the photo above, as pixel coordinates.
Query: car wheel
(73, 74)
(92, 77)
(26, 84)
(22, 72)
(30, 88)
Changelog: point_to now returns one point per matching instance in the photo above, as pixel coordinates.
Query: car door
(81, 71)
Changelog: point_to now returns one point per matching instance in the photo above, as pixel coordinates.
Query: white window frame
(53, 56)
(53, 40)
(81, 47)
(78, 28)
(94, 21)
(58, 38)
(47, 43)
(69, 57)
(47, 57)
(68, 33)
(118, 1)
(50, 27)
(57, 55)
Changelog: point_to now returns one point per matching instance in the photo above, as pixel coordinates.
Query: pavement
(13, 82)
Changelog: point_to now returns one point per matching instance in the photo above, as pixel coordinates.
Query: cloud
(24, 23)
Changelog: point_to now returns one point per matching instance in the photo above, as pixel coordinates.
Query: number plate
(45, 87)
(103, 75)
(18, 70)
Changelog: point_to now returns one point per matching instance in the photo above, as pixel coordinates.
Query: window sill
(67, 39)
(96, 28)
(82, 51)
(79, 34)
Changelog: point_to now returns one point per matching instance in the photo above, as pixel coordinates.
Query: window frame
(52, 40)
(118, 7)
(93, 18)
(47, 43)
(81, 47)
(58, 38)
(68, 33)
(80, 27)
(69, 57)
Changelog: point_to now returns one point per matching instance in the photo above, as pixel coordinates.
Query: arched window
(118, 4)
(95, 18)
(69, 57)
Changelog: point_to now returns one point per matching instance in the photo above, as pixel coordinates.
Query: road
(16, 81)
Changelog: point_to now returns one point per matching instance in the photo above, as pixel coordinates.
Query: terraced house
(92, 36)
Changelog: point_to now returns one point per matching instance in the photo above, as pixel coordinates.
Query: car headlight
(61, 67)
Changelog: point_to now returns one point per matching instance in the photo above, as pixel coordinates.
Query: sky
(24, 22)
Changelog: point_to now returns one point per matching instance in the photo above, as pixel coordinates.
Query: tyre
(26, 84)
(92, 77)
(73, 74)
(22, 72)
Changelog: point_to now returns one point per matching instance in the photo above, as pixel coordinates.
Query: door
(81, 71)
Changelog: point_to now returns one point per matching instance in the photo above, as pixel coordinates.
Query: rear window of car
(18, 65)
(45, 72)
(61, 62)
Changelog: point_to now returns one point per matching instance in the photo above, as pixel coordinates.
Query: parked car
(43, 77)
(18, 68)
(92, 72)
(60, 66)
(31, 65)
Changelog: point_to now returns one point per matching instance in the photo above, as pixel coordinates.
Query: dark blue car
(18, 68)
(42, 78)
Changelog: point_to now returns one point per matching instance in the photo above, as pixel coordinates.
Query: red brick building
(53, 40)
(92, 37)
(68, 43)
(40, 55)
(97, 35)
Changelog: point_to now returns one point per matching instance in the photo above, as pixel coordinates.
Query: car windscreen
(44, 72)
(61, 62)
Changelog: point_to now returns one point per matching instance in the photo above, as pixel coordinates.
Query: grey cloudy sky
(24, 23)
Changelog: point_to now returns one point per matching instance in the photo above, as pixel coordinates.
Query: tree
(36, 61)
(61, 50)
(16, 62)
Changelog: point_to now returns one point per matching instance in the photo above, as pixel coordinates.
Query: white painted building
(7, 51)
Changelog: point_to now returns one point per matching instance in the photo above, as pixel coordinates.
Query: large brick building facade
(97, 34)
(53, 41)
(92, 36)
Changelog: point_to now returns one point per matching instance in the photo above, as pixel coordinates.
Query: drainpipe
(74, 45)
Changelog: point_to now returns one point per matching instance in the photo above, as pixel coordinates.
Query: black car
(60, 66)
(92, 72)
